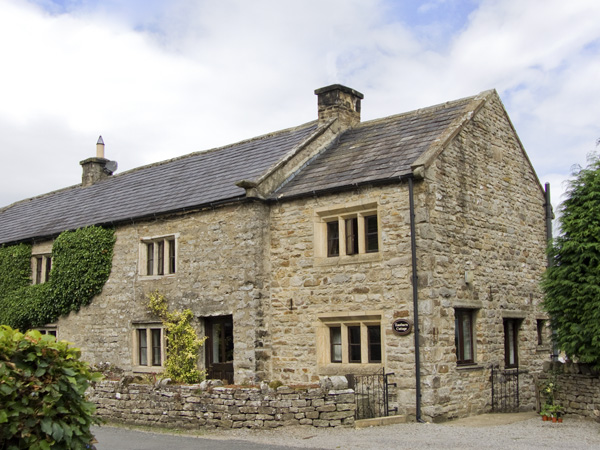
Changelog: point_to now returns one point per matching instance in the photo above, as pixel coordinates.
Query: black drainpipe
(550, 263)
(413, 249)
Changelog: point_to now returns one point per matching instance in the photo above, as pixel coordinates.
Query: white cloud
(159, 79)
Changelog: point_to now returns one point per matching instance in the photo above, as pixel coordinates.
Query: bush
(42, 393)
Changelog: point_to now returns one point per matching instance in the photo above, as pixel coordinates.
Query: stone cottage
(412, 244)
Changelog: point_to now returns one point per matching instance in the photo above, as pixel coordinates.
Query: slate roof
(182, 183)
(381, 150)
(375, 151)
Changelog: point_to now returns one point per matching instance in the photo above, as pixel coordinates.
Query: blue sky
(162, 78)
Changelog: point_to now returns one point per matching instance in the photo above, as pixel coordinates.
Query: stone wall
(220, 271)
(578, 388)
(225, 407)
(480, 211)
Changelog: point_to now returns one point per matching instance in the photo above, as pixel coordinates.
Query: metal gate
(372, 394)
(505, 389)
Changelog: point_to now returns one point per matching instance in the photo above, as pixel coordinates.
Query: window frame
(347, 234)
(41, 267)
(158, 256)
(511, 342)
(144, 361)
(459, 335)
(340, 336)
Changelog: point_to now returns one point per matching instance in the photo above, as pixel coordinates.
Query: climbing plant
(81, 264)
(183, 345)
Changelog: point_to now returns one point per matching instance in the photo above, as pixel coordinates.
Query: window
(463, 336)
(541, 329)
(347, 233)
(47, 330)
(159, 256)
(41, 266)
(511, 351)
(353, 341)
(149, 345)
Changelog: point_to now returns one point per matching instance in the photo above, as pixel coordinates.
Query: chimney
(341, 102)
(98, 168)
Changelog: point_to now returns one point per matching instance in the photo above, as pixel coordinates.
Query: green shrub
(183, 345)
(42, 393)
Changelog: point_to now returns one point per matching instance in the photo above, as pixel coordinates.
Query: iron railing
(372, 394)
(505, 389)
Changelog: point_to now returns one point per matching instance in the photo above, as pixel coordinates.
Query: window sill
(351, 259)
(353, 368)
(148, 369)
(155, 277)
(468, 367)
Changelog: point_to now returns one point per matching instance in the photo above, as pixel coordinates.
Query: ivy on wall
(81, 264)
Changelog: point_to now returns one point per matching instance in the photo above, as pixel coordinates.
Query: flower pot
(544, 418)
(560, 420)
(555, 419)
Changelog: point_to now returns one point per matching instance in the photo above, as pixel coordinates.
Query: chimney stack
(98, 168)
(341, 102)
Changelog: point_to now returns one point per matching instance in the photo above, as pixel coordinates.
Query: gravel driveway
(489, 431)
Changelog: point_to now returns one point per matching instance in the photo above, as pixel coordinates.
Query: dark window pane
(160, 268)
(48, 267)
(156, 346)
(540, 331)
(463, 336)
(352, 236)
(511, 358)
(333, 238)
(354, 355)
(335, 336)
(172, 256)
(38, 270)
(142, 347)
(371, 234)
(374, 335)
(150, 259)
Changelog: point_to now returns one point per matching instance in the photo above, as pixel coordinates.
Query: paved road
(112, 438)
(521, 431)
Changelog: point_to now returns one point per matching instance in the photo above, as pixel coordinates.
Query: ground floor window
(511, 342)
(149, 348)
(48, 330)
(463, 335)
(351, 341)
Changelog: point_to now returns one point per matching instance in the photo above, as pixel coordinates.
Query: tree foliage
(183, 345)
(42, 393)
(572, 284)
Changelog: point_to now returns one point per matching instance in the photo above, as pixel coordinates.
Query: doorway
(219, 348)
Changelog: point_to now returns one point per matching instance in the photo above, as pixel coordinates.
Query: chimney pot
(100, 148)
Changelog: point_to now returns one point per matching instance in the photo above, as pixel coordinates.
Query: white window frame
(155, 242)
(341, 214)
(149, 366)
(52, 330)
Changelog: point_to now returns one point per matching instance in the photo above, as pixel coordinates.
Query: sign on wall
(402, 327)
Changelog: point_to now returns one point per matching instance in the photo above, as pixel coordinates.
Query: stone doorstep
(379, 421)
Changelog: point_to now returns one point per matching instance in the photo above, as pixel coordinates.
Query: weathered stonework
(222, 407)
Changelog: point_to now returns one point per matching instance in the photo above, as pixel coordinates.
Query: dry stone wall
(222, 407)
(578, 388)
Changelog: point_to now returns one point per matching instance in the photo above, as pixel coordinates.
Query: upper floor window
(159, 256)
(41, 266)
(347, 232)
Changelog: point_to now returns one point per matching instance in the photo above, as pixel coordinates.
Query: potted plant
(557, 411)
(545, 411)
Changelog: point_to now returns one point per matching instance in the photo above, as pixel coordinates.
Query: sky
(164, 78)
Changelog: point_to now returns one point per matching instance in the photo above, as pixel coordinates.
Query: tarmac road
(521, 431)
